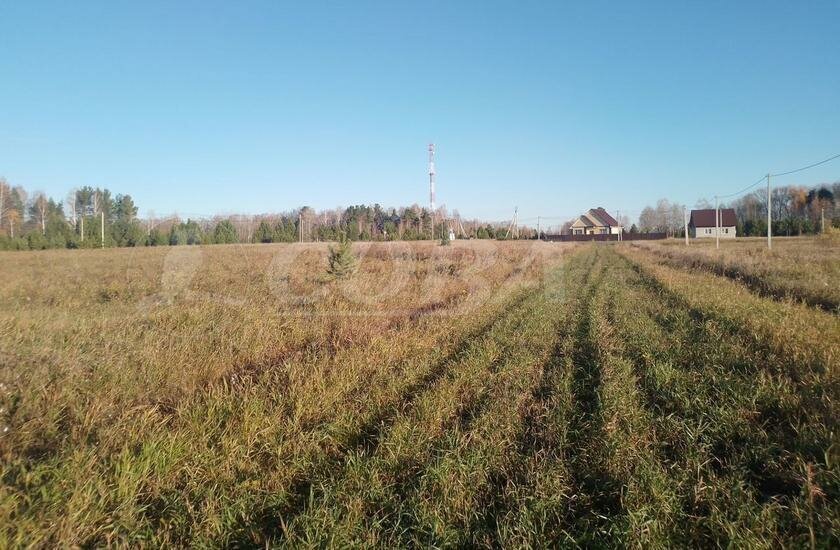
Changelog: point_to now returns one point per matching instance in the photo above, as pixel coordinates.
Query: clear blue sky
(209, 107)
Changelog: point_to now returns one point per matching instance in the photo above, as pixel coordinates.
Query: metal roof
(706, 218)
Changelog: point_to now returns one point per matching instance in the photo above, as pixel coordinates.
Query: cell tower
(432, 176)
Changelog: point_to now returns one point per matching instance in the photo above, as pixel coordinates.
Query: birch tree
(150, 222)
(666, 217)
(16, 210)
(72, 202)
(4, 198)
(13, 217)
(39, 210)
(96, 202)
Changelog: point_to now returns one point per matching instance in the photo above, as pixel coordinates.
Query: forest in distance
(93, 218)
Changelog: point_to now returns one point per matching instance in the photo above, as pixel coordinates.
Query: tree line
(796, 210)
(92, 217)
(33, 222)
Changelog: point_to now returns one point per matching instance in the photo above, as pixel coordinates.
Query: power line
(761, 179)
(532, 218)
(805, 167)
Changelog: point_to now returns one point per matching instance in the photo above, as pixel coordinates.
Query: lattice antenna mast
(432, 177)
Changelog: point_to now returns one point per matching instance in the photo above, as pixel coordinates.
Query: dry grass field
(480, 394)
(802, 268)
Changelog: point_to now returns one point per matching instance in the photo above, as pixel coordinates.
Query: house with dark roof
(702, 223)
(596, 221)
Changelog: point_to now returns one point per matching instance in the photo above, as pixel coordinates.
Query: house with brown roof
(595, 222)
(702, 223)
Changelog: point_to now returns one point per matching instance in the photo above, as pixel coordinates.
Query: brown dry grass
(106, 353)
(799, 268)
(481, 394)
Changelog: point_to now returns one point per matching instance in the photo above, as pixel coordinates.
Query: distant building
(595, 222)
(702, 223)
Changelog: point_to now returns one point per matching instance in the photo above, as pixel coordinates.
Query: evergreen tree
(126, 230)
(342, 262)
(37, 241)
(185, 233)
(225, 233)
(284, 231)
(157, 238)
(264, 233)
(444, 237)
(389, 228)
(128, 233)
(124, 208)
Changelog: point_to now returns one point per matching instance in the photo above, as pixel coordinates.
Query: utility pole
(620, 229)
(685, 224)
(618, 219)
(300, 227)
(769, 217)
(538, 228)
(102, 214)
(82, 227)
(516, 222)
(512, 222)
(822, 219)
(432, 177)
(717, 223)
(432, 185)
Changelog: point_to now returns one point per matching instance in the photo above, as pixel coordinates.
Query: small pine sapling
(342, 262)
(444, 237)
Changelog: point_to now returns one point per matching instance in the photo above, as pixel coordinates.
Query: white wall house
(702, 224)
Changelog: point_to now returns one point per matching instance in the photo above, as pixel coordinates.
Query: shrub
(156, 238)
(36, 241)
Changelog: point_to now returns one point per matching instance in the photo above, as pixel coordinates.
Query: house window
(726, 230)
